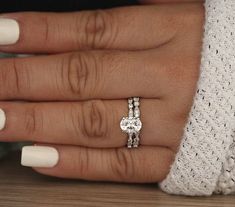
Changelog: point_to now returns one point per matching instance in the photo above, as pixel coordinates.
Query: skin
(75, 88)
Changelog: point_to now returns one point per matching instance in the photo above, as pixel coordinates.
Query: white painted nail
(9, 31)
(2, 119)
(39, 156)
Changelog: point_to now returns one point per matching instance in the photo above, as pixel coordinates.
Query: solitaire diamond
(131, 125)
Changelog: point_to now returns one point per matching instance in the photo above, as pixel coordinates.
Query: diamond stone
(131, 125)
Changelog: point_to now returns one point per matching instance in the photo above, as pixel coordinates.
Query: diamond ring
(132, 124)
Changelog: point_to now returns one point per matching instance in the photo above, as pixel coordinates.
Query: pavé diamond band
(132, 124)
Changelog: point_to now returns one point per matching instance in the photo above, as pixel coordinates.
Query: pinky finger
(142, 165)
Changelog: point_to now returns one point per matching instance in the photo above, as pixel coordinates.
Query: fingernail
(9, 31)
(39, 156)
(2, 119)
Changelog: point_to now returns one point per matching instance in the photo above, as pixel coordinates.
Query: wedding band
(132, 124)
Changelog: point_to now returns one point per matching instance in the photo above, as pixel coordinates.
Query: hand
(76, 91)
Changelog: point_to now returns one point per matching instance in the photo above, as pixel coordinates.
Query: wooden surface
(21, 187)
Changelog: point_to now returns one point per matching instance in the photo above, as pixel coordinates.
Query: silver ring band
(132, 124)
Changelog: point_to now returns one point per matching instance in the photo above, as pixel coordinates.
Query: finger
(85, 75)
(93, 124)
(121, 165)
(120, 28)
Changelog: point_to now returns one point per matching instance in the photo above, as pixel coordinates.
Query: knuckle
(33, 121)
(123, 165)
(46, 29)
(82, 162)
(78, 74)
(6, 80)
(98, 28)
(14, 77)
(94, 119)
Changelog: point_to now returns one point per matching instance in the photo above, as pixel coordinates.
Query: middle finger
(84, 76)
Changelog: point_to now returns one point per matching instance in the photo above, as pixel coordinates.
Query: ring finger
(90, 124)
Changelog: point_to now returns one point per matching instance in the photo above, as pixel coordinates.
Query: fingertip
(39, 157)
(2, 119)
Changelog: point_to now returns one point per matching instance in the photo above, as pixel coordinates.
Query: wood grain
(21, 187)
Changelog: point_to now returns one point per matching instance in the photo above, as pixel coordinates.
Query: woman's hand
(76, 94)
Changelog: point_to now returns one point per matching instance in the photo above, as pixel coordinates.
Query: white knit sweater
(205, 162)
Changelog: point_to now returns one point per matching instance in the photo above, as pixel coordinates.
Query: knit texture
(226, 182)
(209, 132)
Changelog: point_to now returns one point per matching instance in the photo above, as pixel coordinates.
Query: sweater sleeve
(204, 163)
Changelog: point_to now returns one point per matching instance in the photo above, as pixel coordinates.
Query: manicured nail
(2, 119)
(9, 31)
(39, 156)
